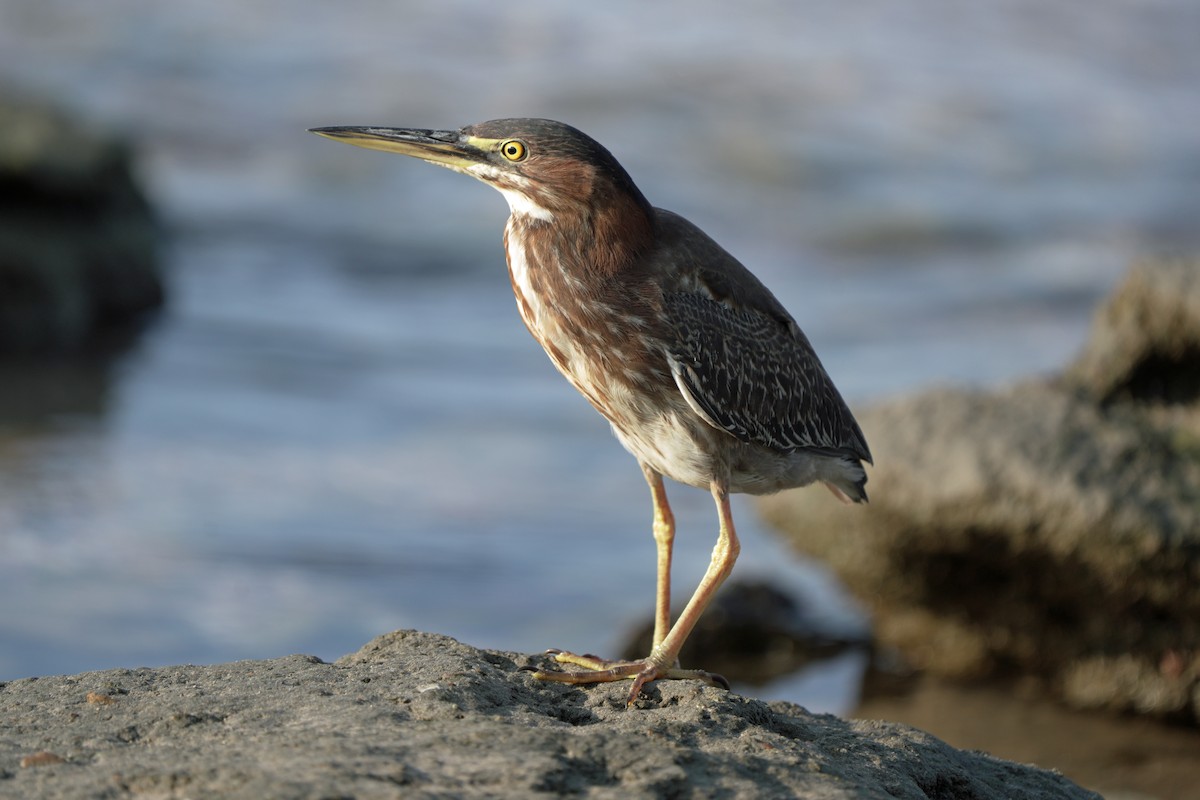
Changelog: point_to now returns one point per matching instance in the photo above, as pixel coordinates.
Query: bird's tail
(851, 486)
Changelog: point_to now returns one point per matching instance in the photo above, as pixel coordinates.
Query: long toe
(641, 672)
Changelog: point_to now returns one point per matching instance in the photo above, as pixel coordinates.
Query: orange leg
(664, 540)
(662, 659)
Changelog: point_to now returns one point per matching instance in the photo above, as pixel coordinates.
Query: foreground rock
(1052, 528)
(420, 715)
(77, 240)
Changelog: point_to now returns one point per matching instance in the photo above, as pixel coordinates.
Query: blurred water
(340, 426)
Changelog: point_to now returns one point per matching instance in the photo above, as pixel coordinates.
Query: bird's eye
(514, 150)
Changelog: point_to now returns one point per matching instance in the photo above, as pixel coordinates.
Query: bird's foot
(641, 672)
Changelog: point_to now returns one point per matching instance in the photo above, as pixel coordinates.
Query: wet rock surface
(420, 715)
(1050, 529)
(78, 242)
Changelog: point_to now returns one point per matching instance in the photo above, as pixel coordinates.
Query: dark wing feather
(755, 375)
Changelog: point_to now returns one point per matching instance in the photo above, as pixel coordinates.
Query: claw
(598, 670)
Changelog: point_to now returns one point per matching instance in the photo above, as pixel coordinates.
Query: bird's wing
(753, 373)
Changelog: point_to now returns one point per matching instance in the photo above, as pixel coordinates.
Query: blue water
(340, 427)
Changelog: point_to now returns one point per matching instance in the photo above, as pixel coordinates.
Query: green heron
(702, 373)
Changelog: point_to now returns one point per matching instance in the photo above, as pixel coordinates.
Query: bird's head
(546, 170)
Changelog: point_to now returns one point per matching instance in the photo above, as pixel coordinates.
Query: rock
(421, 715)
(1121, 757)
(1145, 342)
(752, 634)
(1049, 529)
(77, 238)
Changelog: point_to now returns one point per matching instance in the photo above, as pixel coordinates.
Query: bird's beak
(447, 148)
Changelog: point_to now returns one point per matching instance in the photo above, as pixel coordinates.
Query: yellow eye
(514, 150)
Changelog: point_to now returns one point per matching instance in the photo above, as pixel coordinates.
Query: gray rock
(1145, 342)
(1052, 528)
(420, 715)
(77, 239)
